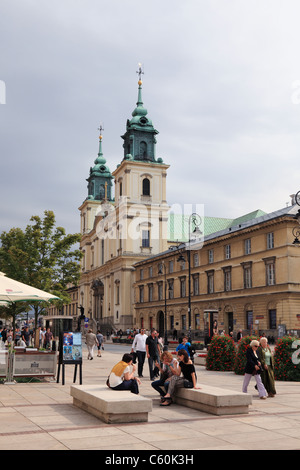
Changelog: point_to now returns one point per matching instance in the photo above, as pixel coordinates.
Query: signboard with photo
(72, 348)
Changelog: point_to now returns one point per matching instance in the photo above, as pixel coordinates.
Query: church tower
(100, 184)
(139, 139)
(121, 231)
(99, 190)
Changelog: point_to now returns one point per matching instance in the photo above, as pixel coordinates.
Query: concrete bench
(217, 401)
(111, 406)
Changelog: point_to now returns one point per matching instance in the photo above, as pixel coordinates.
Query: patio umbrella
(15, 291)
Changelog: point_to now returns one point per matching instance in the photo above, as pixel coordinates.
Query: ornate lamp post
(196, 221)
(296, 230)
(164, 271)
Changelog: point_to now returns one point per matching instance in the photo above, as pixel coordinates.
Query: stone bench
(111, 406)
(214, 400)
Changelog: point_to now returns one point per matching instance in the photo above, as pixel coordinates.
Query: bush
(240, 359)
(285, 364)
(221, 353)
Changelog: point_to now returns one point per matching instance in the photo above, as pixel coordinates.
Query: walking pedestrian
(267, 363)
(100, 339)
(139, 346)
(253, 368)
(91, 342)
(152, 352)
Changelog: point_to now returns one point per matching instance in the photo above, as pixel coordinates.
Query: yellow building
(245, 276)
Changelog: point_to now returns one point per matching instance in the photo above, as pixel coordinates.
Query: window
(210, 256)
(227, 251)
(145, 238)
(182, 287)
(210, 282)
(196, 284)
(247, 277)
(146, 187)
(171, 267)
(141, 294)
(196, 260)
(227, 279)
(270, 271)
(270, 240)
(248, 246)
(249, 320)
(141, 274)
(183, 322)
(143, 149)
(197, 321)
(272, 319)
(150, 271)
(160, 290)
(171, 288)
(150, 292)
(270, 274)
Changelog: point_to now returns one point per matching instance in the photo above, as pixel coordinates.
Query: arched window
(143, 149)
(146, 187)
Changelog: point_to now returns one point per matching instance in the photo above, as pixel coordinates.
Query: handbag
(188, 384)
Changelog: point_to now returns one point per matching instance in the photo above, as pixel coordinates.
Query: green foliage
(221, 353)
(240, 359)
(41, 256)
(286, 359)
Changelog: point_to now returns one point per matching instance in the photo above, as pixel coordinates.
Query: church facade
(117, 232)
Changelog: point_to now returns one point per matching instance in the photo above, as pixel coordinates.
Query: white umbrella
(14, 291)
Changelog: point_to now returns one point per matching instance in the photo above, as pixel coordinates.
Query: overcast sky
(221, 85)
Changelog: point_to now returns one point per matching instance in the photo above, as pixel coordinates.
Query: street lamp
(196, 221)
(296, 230)
(164, 271)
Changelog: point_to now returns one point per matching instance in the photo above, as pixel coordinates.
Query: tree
(42, 256)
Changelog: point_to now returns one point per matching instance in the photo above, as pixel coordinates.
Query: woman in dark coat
(253, 368)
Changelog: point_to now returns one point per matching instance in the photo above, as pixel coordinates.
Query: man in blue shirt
(184, 345)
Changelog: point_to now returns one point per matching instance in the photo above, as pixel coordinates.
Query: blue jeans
(157, 384)
(131, 385)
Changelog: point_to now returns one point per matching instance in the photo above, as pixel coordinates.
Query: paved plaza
(41, 416)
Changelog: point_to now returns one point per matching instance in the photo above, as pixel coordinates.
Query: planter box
(200, 359)
(34, 363)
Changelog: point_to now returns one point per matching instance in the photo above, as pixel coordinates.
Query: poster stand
(70, 352)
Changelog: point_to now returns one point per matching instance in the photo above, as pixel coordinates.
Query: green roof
(178, 225)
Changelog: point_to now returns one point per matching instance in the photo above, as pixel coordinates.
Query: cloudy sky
(221, 85)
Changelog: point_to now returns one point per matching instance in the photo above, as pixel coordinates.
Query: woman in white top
(122, 376)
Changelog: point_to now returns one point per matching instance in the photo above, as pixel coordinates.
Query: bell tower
(140, 186)
(139, 138)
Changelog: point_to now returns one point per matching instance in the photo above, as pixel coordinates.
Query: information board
(72, 348)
